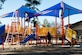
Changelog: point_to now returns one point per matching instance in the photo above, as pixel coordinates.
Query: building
(77, 27)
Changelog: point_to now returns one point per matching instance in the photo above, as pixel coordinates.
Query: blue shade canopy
(20, 13)
(2, 29)
(22, 10)
(68, 10)
(52, 11)
(48, 13)
(7, 15)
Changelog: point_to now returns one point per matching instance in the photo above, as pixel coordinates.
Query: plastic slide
(27, 38)
(70, 34)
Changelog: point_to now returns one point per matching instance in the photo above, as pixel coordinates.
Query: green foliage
(1, 2)
(46, 23)
(32, 4)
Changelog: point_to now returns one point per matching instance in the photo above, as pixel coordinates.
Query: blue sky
(12, 5)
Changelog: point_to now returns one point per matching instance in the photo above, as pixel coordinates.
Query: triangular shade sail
(21, 12)
(23, 9)
(7, 15)
(52, 11)
(48, 13)
(68, 10)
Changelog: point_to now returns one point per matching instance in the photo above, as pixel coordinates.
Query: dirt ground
(45, 50)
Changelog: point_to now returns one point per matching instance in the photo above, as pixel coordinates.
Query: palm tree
(1, 2)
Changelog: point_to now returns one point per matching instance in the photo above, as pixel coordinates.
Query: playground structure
(17, 34)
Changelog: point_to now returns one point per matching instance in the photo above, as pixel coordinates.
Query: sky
(12, 5)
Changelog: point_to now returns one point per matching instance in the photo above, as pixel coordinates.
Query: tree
(45, 23)
(35, 21)
(52, 24)
(1, 2)
(33, 3)
(0, 22)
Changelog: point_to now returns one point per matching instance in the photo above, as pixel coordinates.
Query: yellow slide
(70, 34)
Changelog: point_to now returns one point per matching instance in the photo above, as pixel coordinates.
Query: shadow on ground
(46, 50)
